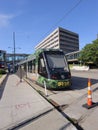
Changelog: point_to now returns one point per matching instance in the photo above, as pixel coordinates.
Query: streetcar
(48, 67)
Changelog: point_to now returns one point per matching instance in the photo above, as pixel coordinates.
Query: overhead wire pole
(63, 17)
(14, 51)
(97, 35)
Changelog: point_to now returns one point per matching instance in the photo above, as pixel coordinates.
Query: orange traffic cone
(89, 103)
(89, 99)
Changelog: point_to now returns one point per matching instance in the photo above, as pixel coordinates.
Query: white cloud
(5, 20)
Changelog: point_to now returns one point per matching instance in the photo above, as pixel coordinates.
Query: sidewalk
(19, 103)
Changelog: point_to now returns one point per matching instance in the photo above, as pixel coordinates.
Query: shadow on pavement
(2, 87)
(20, 73)
(81, 83)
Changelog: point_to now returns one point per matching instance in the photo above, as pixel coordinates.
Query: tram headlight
(53, 76)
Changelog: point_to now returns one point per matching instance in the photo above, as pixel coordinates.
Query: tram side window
(41, 67)
(33, 66)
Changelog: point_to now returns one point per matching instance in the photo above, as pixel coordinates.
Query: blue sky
(33, 20)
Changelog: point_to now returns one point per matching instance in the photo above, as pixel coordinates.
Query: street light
(14, 51)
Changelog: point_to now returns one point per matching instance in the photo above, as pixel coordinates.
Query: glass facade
(8, 58)
(2, 55)
(73, 56)
(18, 57)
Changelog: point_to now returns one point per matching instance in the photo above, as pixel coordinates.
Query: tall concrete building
(61, 38)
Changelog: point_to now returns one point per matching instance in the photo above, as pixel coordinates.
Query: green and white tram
(49, 66)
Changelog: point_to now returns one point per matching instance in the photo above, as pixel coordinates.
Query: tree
(89, 53)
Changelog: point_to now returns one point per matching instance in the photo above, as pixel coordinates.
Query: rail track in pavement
(57, 106)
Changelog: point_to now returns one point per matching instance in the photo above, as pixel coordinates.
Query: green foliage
(89, 53)
(0, 75)
(2, 71)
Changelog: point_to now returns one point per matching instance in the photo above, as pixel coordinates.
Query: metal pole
(14, 51)
(20, 74)
(97, 35)
(26, 69)
(45, 89)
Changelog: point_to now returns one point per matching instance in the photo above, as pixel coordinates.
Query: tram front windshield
(56, 60)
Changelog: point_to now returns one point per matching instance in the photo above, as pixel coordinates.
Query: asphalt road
(93, 73)
(80, 79)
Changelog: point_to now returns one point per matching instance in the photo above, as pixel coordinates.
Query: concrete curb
(81, 68)
(2, 79)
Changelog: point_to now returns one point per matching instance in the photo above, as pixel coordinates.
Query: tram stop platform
(22, 108)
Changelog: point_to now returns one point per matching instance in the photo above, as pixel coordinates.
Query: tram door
(42, 66)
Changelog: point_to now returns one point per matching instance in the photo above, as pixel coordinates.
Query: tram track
(58, 107)
(37, 87)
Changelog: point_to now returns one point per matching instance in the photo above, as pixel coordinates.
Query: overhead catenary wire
(63, 17)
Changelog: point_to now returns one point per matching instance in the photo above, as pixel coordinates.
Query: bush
(2, 71)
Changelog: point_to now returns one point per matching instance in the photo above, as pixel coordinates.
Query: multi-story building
(61, 38)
